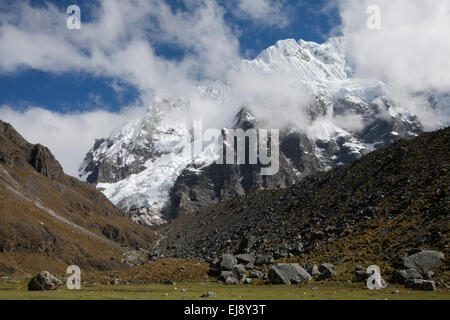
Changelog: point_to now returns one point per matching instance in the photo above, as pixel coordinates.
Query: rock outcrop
(419, 284)
(44, 281)
(424, 261)
(288, 273)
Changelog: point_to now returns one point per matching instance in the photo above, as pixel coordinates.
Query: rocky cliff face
(199, 186)
(43, 161)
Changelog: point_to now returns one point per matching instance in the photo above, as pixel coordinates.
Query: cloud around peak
(409, 52)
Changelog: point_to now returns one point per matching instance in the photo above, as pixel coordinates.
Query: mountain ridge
(50, 220)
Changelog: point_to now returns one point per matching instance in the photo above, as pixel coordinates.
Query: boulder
(400, 276)
(234, 276)
(249, 266)
(240, 270)
(263, 259)
(209, 295)
(229, 277)
(228, 262)
(424, 261)
(419, 284)
(326, 271)
(428, 285)
(245, 258)
(312, 269)
(256, 274)
(288, 273)
(44, 281)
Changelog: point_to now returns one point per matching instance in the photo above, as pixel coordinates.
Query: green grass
(16, 289)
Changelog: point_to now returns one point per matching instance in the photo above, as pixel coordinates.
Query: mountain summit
(329, 118)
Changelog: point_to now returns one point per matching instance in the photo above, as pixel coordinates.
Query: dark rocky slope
(374, 210)
(50, 220)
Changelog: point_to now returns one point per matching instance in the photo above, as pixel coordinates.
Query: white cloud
(410, 52)
(119, 44)
(264, 12)
(68, 136)
(276, 96)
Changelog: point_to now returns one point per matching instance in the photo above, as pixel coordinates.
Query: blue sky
(65, 88)
(68, 91)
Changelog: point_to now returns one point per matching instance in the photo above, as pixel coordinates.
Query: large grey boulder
(234, 276)
(326, 271)
(288, 273)
(245, 258)
(401, 276)
(44, 281)
(228, 262)
(418, 284)
(424, 261)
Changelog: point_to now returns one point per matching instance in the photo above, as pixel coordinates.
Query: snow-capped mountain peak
(313, 62)
(142, 167)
